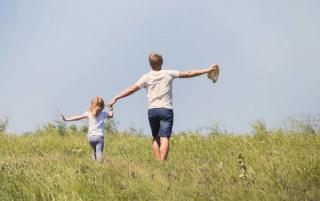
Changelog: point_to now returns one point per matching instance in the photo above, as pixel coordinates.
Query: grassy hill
(52, 165)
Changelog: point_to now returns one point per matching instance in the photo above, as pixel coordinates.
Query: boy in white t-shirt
(158, 84)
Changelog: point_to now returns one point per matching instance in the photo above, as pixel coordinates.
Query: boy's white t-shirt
(96, 124)
(159, 87)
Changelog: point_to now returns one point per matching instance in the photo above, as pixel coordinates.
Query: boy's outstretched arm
(73, 118)
(197, 72)
(128, 91)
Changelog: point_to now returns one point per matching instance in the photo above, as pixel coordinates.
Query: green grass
(46, 165)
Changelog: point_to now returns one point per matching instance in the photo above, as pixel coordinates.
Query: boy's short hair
(155, 60)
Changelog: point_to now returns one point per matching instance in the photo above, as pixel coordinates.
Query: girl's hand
(63, 117)
(110, 112)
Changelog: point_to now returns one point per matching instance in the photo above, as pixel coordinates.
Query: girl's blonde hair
(97, 105)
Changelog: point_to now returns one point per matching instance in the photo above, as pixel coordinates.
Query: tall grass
(54, 164)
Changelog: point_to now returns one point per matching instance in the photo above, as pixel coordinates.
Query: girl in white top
(96, 117)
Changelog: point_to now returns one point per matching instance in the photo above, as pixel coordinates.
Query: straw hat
(214, 74)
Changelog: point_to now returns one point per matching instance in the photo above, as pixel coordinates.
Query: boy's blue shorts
(161, 121)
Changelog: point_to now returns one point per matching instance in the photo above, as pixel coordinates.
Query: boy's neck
(157, 68)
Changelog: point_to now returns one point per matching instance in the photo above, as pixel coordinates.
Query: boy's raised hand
(213, 72)
(213, 67)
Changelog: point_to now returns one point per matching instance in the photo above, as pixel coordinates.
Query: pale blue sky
(59, 54)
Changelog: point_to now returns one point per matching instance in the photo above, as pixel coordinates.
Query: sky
(57, 55)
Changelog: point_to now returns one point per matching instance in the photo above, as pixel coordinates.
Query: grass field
(50, 164)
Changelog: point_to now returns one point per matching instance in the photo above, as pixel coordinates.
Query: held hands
(63, 117)
(111, 102)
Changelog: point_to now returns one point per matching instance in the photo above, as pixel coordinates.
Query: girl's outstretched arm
(73, 118)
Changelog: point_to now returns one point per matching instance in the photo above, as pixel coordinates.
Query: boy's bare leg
(156, 147)
(164, 148)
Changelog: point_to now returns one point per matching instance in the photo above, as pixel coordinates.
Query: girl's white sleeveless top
(96, 124)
